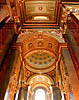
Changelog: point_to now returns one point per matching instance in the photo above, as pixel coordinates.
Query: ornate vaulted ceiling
(40, 50)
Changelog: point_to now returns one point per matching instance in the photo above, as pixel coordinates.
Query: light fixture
(40, 18)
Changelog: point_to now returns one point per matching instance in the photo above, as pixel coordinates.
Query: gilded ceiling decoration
(38, 41)
(39, 51)
(40, 60)
(37, 80)
(54, 33)
(40, 78)
(41, 8)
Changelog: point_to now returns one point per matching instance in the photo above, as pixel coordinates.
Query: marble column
(68, 65)
(10, 75)
(22, 94)
(56, 94)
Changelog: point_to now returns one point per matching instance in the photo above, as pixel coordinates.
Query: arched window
(40, 94)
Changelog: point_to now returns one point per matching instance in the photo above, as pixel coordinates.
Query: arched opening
(39, 87)
(40, 94)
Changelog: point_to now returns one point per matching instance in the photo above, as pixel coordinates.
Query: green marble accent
(56, 94)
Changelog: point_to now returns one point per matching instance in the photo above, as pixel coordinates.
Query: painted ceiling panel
(41, 8)
(40, 60)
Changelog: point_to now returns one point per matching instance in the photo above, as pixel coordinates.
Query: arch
(41, 77)
(39, 44)
(39, 85)
(39, 81)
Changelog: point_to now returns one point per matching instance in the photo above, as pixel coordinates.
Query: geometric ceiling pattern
(40, 10)
(40, 60)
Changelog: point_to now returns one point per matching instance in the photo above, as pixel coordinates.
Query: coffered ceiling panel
(41, 8)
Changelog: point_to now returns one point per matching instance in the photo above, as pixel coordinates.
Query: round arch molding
(40, 78)
(38, 81)
(39, 52)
